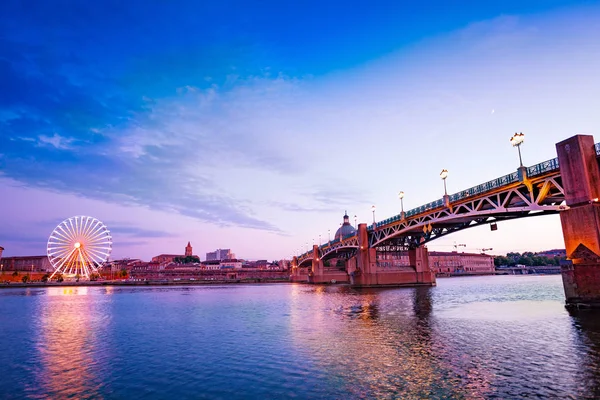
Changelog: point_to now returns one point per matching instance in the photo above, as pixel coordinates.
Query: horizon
(254, 128)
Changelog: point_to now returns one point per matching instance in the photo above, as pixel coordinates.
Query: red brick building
(164, 259)
(26, 263)
(446, 263)
(454, 263)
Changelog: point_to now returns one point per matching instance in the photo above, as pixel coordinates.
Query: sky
(255, 125)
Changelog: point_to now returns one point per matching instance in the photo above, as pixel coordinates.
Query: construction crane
(456, 246)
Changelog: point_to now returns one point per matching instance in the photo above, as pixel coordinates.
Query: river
(471, 338)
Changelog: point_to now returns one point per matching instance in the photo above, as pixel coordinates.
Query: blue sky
(254, 126)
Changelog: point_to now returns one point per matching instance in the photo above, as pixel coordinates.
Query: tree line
(186, 260)
(528, 259)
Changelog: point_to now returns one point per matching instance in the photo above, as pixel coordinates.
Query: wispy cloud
(22, 238)
(338, 196)
(136, 232)
(292, 207)
(162, 157)
(57, 141)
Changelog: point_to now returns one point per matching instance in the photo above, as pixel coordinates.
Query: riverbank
(140, 283)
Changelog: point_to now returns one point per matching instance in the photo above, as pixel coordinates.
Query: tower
(188, 250)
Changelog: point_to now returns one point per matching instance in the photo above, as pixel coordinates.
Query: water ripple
(472, 338)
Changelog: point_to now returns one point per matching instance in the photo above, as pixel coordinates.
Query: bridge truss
(541, 195)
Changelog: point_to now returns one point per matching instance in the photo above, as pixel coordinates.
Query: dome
(345, 229)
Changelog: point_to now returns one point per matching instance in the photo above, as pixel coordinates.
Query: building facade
(220, 254)
(26, 263)
(165, 258)
(454, 263)
(211, 265)
(445, 263)
(233, 263)
(169, 258)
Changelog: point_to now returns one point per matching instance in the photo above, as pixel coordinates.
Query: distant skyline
(253, 127)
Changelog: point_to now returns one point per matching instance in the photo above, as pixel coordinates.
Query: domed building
(345, 229)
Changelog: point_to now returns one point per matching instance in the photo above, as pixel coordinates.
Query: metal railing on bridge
(334, 241)
(534, 170)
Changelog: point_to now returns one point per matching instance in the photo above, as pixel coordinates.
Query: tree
(527, 258)
(45, 278)
(25, 278)
(186, 260)
(536, 260)
(501, 260)
(94, 276)
(525, 261)
(16, 273)
(556, 260)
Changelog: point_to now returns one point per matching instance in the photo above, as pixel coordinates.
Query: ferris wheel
(78, 246)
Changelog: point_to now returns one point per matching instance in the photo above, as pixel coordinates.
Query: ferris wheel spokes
(79, 246)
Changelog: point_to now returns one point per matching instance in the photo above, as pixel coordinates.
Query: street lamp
(328, 235)
(401, 197)
(516, 140)
(444, 175)
(373, 210)
(355, 226)
(319, 240)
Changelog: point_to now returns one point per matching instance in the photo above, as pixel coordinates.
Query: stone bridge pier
(364, 271)
(581, 221)
(316, 269)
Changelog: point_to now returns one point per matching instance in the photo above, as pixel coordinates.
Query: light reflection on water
(70, 326)
(500, 337)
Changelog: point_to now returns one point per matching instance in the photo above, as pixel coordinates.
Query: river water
(477, 337)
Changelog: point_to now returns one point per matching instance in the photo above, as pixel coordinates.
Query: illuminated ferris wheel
(78, 246)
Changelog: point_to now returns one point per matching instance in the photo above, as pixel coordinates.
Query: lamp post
(355, 226)
(401, 197)
(319, 240)
(373, 210)
(328, 235)
(517, 140)
(444, 175)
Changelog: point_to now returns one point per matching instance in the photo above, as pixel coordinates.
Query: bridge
(568, 185)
